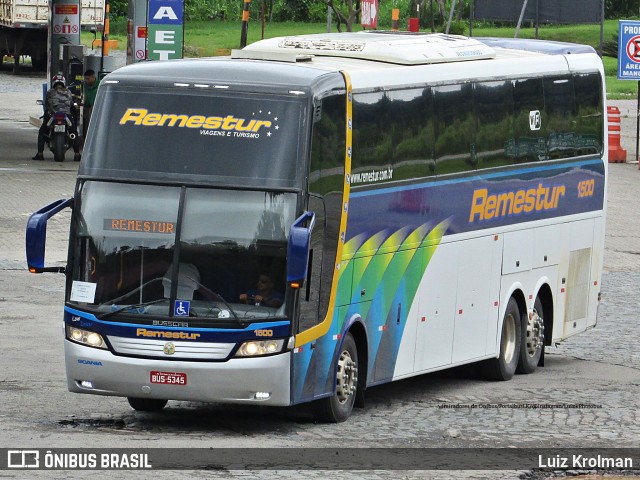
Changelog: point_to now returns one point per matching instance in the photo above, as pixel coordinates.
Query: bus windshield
(204, 254)
(197, 135)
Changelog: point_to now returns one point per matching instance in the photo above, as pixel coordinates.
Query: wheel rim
(509, 338)
(535, 334)
(347, 377)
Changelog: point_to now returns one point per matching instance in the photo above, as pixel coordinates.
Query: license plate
(168, 378)
(58, 128)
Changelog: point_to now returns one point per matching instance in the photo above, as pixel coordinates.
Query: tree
(348, 18)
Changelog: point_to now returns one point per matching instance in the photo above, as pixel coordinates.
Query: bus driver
(263, 294)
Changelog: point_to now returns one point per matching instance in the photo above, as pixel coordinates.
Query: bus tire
(146, 404)
(503, 367)
(337, 407)
(532, 340)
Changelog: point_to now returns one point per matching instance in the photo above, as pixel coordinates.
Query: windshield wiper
(131, 292)
(219, 298)
(130, 307)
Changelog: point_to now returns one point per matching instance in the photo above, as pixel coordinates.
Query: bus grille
(156, 348)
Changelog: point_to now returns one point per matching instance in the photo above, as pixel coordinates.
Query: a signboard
(66, 19)
(140, 43)
(629, 50)
(369, 13)
(165, 32)
(64, 30)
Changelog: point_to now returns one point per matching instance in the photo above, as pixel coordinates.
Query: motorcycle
(60, 138)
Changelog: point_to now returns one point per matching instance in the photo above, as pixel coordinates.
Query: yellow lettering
(196, 121)
(506, 200)
(261, 123)
(212, 123)
(135, 115)
(173, 119)
(229, 122)
(485, 206)
(490, 208)
(517, 204)
(477, 204)
(151, 119)
(530, 201)
(241, 126)
(559, 192)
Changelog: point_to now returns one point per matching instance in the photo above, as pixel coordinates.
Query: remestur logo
(486, 206)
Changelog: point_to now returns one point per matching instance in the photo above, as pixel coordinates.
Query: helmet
(58, 79)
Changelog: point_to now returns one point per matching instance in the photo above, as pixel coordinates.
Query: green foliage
(458, 27)
(621, 8)
(118, 8)
(212, 9)
(610, 47)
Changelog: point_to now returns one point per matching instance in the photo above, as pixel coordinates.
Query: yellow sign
(485, 206)
(141, 116)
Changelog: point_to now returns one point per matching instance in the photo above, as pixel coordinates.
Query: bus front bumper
(263, 380)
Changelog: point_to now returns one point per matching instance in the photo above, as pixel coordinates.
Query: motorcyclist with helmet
(58, 99)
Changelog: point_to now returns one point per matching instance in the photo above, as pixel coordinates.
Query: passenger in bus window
(263, 294)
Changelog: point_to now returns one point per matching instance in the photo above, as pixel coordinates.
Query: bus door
(318, 322)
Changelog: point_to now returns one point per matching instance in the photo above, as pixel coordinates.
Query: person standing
(89, 93)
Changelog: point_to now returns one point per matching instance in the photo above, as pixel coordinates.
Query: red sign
(65, 9)
(142, 32)
(633, 49)
(369, 13)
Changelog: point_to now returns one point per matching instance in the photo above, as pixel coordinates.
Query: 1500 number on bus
(585, 188)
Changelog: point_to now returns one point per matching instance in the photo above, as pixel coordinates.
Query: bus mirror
(37, 236)
(298, 248)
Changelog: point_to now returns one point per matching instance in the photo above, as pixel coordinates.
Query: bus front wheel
(337, 408)
(146, 404)
(532, 340)
(503, 367)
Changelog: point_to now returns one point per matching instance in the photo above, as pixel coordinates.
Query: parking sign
(629, 50)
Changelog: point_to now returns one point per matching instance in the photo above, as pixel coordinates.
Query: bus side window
(455, 127)
(372, 135)
(493, 104)
(528, 101)
(313, 292)
(411, 128)
(560, 109)
(588, 94)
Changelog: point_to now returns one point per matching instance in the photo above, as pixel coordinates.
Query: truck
(24, 26)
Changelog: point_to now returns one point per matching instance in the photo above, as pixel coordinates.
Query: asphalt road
(598, 373)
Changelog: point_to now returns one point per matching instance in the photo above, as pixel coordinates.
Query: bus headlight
(256, 348)
(85, 337)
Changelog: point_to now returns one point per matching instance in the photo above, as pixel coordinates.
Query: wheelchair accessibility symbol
(181, 308)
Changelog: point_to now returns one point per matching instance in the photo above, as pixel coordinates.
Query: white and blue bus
(316, 215)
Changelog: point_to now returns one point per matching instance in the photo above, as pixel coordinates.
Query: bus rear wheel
(146, 404)
(503, 367)
(532, 340)
(337, 408)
